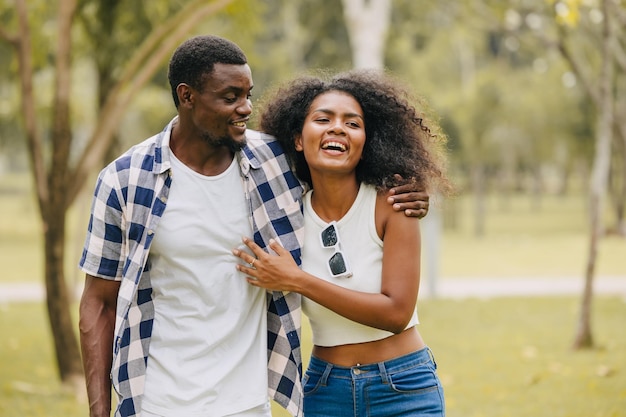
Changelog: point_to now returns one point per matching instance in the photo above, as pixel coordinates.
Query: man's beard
(226, 141)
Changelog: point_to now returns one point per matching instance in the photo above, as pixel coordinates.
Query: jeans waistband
(400, 363)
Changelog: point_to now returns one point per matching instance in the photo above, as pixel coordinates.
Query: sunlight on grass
(512, 357)
(505, 357)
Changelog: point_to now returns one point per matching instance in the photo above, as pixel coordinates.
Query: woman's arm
(390, 310)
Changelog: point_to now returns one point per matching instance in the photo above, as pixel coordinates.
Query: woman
(346, 138)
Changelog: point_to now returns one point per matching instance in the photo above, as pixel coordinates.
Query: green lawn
(505, 357)
(511, 357)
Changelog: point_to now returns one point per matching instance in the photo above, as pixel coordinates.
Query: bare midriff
(371, 352)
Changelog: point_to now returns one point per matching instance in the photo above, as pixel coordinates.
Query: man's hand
(410, 199)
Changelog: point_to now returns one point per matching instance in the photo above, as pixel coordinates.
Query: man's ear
(298, 143)
(184, 93)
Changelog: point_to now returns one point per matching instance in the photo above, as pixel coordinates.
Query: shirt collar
(162, 152)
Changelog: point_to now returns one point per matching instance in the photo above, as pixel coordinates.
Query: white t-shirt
(208, 353)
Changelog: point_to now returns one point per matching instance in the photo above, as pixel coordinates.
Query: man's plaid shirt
(130, 197)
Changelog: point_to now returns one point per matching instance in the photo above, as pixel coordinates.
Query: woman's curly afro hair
(398, 141)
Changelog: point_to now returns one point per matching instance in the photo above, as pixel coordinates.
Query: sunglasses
(338, 263)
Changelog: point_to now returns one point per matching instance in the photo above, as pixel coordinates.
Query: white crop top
(364, 251)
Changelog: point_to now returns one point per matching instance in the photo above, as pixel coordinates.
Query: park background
(529, 92)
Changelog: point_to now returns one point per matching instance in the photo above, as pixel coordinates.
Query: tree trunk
(565, 175)
(536, 188)
(58, 299)
(599, 180)
(367, 22)
(53, 213)
(479, 187)
(620, 209)
(618, 190)
(51, 184)
(23, 48)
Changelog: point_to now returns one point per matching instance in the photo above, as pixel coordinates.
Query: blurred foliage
(506, 98)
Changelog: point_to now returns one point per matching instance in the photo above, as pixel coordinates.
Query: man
(164, 314)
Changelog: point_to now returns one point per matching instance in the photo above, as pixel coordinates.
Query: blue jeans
(404, 386)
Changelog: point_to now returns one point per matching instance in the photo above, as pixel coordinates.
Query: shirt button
(163, 200)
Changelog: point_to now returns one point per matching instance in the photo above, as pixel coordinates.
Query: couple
(167, 318)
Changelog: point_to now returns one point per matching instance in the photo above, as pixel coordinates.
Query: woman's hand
(272, 272)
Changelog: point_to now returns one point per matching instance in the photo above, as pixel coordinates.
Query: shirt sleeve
(102, 254)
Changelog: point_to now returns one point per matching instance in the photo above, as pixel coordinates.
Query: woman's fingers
(243, 255)
(253, 246)
(277, 247)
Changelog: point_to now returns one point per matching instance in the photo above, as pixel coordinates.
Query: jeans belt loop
(324, 379)
(383, 372)
(432, 357)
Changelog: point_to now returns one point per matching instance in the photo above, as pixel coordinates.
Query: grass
(504, 357)
(510, 357)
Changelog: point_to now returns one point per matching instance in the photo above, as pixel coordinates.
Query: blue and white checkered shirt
(130, 197)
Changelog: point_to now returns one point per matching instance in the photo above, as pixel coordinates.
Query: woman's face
(333, 134)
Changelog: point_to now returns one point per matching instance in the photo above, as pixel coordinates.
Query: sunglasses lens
(337, 264)
(329, 236)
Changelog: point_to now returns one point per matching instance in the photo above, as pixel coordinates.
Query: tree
(590, 38)
(57, 181)
(602, 96)
(367, 22)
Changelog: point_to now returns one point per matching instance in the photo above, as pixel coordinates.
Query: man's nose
(245, 108)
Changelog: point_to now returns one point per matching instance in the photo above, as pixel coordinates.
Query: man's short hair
(196, 57)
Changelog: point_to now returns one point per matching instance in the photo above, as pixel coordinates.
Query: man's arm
(96, 324)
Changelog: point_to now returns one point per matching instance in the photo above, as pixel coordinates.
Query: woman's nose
(336, 127)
